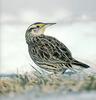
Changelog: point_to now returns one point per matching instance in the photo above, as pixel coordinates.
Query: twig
(34, 68)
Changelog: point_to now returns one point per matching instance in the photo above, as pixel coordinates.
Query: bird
(47, 52)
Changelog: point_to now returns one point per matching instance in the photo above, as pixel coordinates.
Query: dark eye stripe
(31, 29)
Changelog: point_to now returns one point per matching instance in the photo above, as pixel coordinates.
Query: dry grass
(22, 83)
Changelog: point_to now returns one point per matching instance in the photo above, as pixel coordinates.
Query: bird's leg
(64, 70)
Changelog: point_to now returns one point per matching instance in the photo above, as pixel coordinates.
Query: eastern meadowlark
(47, 52)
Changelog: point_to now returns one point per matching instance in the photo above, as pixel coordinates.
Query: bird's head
(38, 28)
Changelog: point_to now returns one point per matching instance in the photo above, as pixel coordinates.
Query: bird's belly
(44, 63)
(51, 67)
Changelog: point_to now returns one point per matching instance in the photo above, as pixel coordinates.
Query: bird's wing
(51, 50)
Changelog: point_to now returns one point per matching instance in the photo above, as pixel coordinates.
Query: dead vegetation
(46, 83)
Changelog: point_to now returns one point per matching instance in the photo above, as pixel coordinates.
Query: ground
(41, 86)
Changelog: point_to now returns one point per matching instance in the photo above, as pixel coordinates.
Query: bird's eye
(38, 26)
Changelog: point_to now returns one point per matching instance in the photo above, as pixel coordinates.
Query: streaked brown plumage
(48, 52)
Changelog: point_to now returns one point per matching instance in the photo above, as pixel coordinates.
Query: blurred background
(76, 28)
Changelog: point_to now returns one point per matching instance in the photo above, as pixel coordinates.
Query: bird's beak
(48, 24)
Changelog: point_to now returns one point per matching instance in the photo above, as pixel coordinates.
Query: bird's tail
(75, 62)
